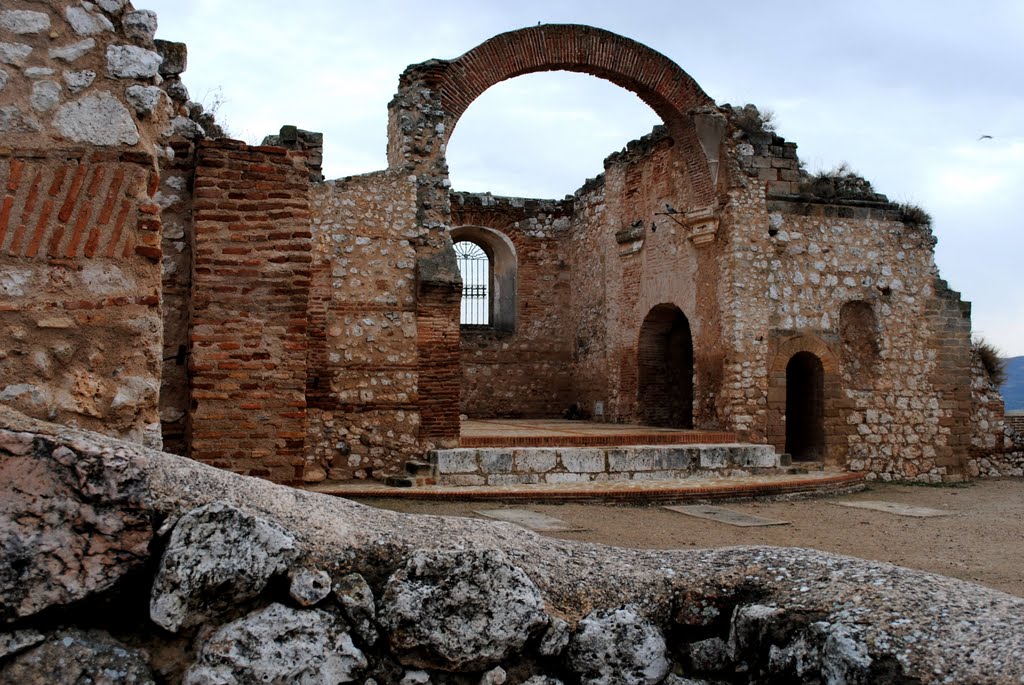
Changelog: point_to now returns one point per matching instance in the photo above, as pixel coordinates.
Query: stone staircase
(557, 465)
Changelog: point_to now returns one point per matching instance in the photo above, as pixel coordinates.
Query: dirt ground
(982, 539)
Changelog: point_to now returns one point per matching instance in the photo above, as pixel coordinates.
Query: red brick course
(45, 214)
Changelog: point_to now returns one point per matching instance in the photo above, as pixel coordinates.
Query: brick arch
(654, 78)
(432, 96)
(835, 428)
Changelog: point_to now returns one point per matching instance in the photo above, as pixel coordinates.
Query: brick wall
(628, 259)
(524, 371)
(251, 280)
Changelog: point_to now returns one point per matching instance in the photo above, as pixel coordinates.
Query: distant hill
(1013, 388)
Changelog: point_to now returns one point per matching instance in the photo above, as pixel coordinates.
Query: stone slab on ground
(895, 508)
(723, 515)
(529, 519)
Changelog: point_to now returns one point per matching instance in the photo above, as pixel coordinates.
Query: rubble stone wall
(363, 380)
(81, 124)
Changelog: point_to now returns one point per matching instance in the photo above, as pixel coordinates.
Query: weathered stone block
(714, 457)
(14, 53)
(677, 457)
(24, 21)
(513, 479)
(582, 460)
(78, 81)
(145, 99)
(131, 61)
(175, 56)
(70, 53)
(86, 23)
(631, 459)
(99, 119)
(754, 456)
(566, 478)
(495, 461)
(140, 25)
(45, 95)
(457, 461)
(537, 460)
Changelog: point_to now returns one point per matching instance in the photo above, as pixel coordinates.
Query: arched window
(487, 263)
(475, 269)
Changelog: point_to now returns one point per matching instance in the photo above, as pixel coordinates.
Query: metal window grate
(475, 268)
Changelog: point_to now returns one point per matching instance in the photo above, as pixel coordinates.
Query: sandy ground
(982, 540)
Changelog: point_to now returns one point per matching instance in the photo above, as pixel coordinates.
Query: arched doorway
(805, 407)
(665, 369)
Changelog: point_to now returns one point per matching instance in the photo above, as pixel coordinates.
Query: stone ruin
(121, 564)
(165, 286)
(221, 300)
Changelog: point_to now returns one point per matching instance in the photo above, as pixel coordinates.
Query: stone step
(527, 465)
(408, 481)
(600, 439)
(420, 468)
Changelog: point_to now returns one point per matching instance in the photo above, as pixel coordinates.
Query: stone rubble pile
(120, 564)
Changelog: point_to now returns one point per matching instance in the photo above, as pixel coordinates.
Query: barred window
(475, 268)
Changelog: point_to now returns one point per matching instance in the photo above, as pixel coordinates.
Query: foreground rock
(95, 533)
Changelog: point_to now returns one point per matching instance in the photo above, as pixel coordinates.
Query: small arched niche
(858, 330)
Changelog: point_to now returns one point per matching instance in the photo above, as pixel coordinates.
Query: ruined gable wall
(524, 372)
(622, 270)
(997, 441)
(793, 263)
(363, 385)
(80, 123)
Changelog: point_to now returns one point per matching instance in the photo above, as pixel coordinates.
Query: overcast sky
(901, 91)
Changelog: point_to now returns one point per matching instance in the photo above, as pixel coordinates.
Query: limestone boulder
(71, 527)
(279, 646)
(218, 557)
(309, 586)
(83, 517)
(356, 599)
(75, 657)
(459, 610)
(618, 647)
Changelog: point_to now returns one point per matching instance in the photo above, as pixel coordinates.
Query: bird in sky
(985, 137)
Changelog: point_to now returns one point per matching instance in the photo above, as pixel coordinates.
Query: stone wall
(799, 260)
(81, 125)
(249, 318)
(363, 382)
(522, 370)
(997, 439)
(635, 248)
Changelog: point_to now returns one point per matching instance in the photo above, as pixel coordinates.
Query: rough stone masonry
(121, 564)
(161, 283)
